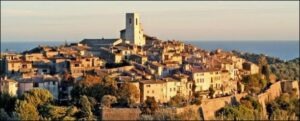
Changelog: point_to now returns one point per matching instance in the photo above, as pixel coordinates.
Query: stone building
(8, 86)
(78, 66)
(251, 67)
(133, 33)
(153, 88)
(40, 81)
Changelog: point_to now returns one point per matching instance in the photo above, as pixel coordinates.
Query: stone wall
(124, 68)
(290, 85)
(269, 95)
(113, 114)
(275, 90)
(210, 106)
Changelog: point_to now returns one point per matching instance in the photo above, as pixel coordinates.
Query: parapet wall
(113, 114)
(269, 95)
(210, 106)
(124, 68)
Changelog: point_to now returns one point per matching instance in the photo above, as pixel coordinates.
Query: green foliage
(128, 94)
(86, 108)
(287, 70)
(53, 112)
(95, 90)
(26, 111)
(254, 83)
(211, 92)
(149, 106)
(58, 112)
(7, 102)
(107, 100)
(37, 97)
(236, 113)
(248, 109)
(4, 115)
(85, 105)
(285, 107)
(255, 57)
(177, 101)
(251, 103)
(196, 98)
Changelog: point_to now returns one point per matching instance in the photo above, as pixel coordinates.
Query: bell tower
(133, 31)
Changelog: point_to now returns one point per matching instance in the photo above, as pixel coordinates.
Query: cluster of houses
(160, 69)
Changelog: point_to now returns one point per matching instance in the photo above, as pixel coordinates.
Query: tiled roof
(99, 42)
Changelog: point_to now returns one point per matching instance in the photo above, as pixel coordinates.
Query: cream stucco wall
(134, 32)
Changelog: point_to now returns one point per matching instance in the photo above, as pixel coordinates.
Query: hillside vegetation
(253, 57)
(287, 70)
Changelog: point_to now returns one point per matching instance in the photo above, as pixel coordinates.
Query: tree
(149, 106)
(177, 101)
(197, 98)
(264, 66)
(37, 97)
(128, 94)
(86, 108)
(3, 115)
(53, 112)
(211, 91)
(94, 89)
(254, 83)
(7, 102)
(26, 111)
(107, 100)
(90, 80)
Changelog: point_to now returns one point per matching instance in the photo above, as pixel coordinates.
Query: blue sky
(194, 20)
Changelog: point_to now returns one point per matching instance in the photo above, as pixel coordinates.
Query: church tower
(133, 31)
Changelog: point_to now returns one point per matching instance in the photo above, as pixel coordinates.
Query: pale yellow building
(9, 86)
(18, 66)
(153, 88)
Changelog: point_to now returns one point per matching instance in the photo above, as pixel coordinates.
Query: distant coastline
(285, 50)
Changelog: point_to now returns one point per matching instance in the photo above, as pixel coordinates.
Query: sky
(167, 20)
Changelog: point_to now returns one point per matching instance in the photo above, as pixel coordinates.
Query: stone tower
(133, 32)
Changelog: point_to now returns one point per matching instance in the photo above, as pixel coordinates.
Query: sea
(285, 50)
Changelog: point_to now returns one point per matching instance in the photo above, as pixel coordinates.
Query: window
(152, 91)
(35, 84)
(147, 91)
(202, 80)
(53, 82)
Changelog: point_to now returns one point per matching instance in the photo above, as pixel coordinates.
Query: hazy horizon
(35, 21)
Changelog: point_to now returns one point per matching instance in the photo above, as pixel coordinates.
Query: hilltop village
(156, 68)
